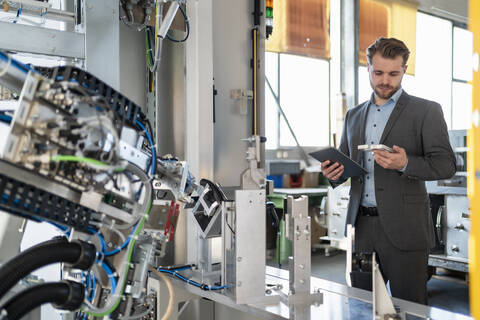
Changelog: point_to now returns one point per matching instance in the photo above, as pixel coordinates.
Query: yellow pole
(473, 163)
(255, 36)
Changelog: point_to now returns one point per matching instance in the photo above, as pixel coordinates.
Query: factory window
(297, 68)
(301, 27)
(301, 85)
(461, 105)
(433, 76)
(442, 69)
(384, 18)
(462, 73)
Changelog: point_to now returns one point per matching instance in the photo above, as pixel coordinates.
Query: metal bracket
(208, 219)
(253, 177)
(242, 96)
(299, 233)
(208, 210)
(315, 298)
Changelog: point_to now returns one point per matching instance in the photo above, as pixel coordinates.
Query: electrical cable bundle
(79, 254)
(117, 280)
(109, 163)
(153, 55)
(66, 295)
(118, 287)
(129, 19)
(150, 55)
(114, 299)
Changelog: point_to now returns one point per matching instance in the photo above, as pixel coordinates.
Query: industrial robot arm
(81, 156)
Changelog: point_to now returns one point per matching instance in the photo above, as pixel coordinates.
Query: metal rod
(302, 151)
(168, 19)
(52, 14)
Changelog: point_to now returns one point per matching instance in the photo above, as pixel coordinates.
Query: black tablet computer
(351, 168)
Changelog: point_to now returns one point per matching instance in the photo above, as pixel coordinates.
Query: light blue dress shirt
(377, 117)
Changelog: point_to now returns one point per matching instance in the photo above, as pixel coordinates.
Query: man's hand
(391, 160)
(332, 171)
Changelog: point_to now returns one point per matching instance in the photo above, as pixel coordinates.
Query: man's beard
(381, 95)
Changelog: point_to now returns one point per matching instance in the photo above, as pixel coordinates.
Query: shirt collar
(394, 97)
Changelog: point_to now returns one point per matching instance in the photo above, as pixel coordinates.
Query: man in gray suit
(389, 205)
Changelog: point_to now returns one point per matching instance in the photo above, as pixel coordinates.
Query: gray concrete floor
(449, 294)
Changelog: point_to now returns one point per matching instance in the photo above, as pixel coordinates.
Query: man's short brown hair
(388, 48)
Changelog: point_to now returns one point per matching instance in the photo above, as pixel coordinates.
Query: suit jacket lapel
(397, 110)
(363, 120)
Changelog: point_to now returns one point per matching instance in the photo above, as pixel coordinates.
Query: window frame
(454, 79)
(279, 117)
(455, 24)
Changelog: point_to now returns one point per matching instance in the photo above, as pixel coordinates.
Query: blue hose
(20, 66)
(191, 282)
(151, 145)
(5, 118)
(111, 276)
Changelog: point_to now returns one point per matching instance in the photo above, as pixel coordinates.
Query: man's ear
(405, 68)
(369, 67)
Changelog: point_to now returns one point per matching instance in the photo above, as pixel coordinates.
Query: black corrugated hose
(79, 254)
(66, 295)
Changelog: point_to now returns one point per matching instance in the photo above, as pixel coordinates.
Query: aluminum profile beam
(22, 38)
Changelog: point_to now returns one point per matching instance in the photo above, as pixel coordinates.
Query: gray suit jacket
(418, 126)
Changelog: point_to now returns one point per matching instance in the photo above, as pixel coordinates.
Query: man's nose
(386, 79)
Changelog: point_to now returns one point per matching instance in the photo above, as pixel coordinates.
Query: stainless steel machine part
(245, 259)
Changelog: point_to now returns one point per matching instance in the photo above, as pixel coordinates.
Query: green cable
(68, 158)
(129, 259)
(77, 159)
(148, 50)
